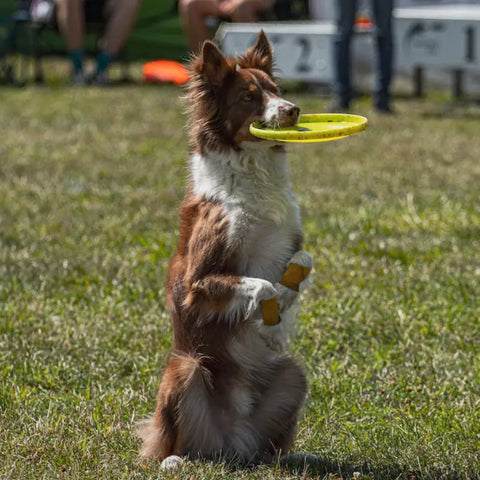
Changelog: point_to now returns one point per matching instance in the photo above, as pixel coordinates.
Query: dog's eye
(247, 98)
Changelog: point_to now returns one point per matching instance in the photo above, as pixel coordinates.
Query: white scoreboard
(302, 50)
(443, 36)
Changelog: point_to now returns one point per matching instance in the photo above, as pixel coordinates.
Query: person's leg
(71, 23)
(193, 14)
(246, 10)
(382, 10)
(345, 18)
(120, 15)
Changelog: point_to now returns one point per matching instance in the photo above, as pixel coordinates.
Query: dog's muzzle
(280, 113)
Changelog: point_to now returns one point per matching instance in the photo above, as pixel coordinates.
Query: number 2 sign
(301, 51)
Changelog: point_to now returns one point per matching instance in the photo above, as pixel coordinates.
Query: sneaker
(339, 106)
(78, 79)
(384, 108)
(99, 78)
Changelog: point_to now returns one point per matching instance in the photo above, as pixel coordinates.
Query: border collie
(229, 392)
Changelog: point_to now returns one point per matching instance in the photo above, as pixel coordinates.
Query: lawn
(90, 183)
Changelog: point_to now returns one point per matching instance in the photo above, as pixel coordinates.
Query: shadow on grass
(311, 466)
(308, 465)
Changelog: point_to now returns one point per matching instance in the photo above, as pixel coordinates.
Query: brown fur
(220, 393)
(212, 90)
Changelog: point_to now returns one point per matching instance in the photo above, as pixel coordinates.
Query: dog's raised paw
(298, 270)
(257, 290)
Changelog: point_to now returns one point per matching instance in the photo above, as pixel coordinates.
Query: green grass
(90, 184)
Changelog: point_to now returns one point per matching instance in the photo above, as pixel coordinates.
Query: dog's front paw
(298, 271)
(262, 296)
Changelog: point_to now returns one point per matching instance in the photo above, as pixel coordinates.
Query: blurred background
(435, 41)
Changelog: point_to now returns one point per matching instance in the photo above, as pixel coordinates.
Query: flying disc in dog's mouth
(318, 127)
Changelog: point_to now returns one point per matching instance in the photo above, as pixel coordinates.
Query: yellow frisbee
(316, 127)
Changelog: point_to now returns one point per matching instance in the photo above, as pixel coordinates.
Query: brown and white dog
(228, 392)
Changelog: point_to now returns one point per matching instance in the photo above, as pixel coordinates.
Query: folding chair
(13, 48)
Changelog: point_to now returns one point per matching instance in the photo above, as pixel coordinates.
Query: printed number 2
(304, 64)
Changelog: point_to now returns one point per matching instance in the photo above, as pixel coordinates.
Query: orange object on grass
(165, 71)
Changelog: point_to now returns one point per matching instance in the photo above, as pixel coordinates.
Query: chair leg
(125, 71)
(38, 76)
(418, 82)
(457, 88)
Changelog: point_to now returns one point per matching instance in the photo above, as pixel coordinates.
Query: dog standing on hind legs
(228, 391)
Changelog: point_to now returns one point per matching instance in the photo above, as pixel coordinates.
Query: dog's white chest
(265, 250)
(254, 188)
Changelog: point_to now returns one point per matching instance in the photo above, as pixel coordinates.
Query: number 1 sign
(438, 37)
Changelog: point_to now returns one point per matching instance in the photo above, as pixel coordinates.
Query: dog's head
(226, 95)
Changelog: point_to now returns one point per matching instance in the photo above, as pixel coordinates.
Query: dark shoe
(382, 104)
(99, 78)
(339, 106)
(78, 79)
(384, 108)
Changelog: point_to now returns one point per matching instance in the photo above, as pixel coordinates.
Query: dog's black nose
(293, 112)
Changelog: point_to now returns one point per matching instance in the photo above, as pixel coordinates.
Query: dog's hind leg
(276, 415)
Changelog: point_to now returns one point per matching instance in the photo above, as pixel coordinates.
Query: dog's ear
(214, 65)
(260, 56)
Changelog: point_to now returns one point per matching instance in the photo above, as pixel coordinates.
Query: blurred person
(120, 17)
(322, 10)
(194, 13)
(345, 11)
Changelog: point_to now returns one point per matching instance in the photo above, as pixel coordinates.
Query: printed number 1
(470, 44)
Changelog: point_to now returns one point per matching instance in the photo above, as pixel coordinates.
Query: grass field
(90, 183)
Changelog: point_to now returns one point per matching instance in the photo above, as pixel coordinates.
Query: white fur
(171, 463)
(195, 414)
(253, 186)
(304, 259)
(273, 109)
(277, 337)
(247, 297)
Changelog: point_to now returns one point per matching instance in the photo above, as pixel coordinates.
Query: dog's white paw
(302, 258)
(172, 462)
(256, 290)
(298, 270)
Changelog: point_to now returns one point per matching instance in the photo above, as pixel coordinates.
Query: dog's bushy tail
(160, 432)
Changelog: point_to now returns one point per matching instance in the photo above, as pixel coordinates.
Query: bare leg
(193, 14)
(121, 16)
(71, 22)
(249, 10)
